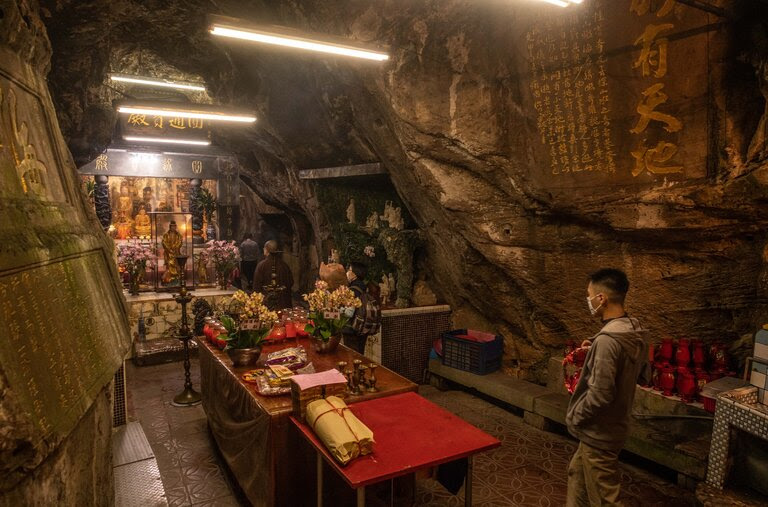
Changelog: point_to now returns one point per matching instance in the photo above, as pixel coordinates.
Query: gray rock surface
(510, 235)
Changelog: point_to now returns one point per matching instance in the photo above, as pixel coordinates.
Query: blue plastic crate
(479, 358)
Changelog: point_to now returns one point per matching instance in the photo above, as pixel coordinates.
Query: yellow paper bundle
(343, 434)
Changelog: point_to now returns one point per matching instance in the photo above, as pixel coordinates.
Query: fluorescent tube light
(575, 1)
(164, 140)
(278, 39)
(559, 3)
(181, 113)
(164, 83)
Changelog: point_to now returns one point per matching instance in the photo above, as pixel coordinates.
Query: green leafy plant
(327, 310)
(242, 338)
(207, 203)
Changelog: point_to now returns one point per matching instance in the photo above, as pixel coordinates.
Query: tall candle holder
(188, 396)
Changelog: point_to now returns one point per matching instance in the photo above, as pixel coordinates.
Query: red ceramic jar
(666, 350)
(699, 357)
(667, 380)
(686, 385)
(683, 353)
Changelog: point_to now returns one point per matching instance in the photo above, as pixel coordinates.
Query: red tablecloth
(411, 433)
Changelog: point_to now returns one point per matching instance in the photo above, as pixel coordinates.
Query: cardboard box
(300, 398)
(761, 344)
(759, 375)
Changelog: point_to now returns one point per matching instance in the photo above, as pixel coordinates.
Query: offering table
(272, 463)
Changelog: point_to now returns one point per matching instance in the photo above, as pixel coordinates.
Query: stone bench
(678, 444)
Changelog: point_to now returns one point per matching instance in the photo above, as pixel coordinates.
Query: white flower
(369, 251)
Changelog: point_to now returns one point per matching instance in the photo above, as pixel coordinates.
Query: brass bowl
(244, 357)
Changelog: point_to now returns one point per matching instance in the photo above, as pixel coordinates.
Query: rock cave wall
(468, 117)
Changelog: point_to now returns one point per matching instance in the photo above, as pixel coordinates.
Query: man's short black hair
(614, 281)
(359, 269)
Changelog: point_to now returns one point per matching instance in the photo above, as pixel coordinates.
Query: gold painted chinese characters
(652, 61)
(32, 173)
(569, 85)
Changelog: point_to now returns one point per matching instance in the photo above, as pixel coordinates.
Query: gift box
(761, 344)
(307, 388)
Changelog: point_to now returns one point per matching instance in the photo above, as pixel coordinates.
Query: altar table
(274, 466)
(410, 434)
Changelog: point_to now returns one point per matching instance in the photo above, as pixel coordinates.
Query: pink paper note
(309, 380)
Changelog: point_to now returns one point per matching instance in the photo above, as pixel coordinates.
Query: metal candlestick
(188, 396)
(372, 380)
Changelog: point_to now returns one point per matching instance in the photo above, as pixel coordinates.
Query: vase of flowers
(329, 312)
(225, 256)
(134, 258)
(244, 336)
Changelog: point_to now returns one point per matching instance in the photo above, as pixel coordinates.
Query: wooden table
(410, 433)
(252, 431)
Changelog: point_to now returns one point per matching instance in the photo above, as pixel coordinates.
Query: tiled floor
(529, 469)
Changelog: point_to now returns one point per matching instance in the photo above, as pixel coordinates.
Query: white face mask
(593, 310)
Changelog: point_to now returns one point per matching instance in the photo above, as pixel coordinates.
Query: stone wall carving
(60, 300)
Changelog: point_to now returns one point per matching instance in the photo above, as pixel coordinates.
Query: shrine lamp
(165, 140)
(163, 83)
(280, 36)
(202, 114)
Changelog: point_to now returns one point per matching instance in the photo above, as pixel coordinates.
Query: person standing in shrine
(364, 321)
(599, 410)
(273, 278)
(249, 255)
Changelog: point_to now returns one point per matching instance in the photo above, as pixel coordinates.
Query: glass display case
(171, 235)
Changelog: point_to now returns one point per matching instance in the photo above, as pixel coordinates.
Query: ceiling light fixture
(559, 3)
(286, 37)
(164, 83)
(185, 113)
(142, 139)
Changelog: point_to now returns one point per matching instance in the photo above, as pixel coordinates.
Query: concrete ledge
(518, 393)
(679, 444)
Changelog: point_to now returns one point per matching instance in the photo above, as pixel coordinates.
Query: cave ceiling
(511, 230)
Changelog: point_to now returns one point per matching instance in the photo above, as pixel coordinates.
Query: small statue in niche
(172, 241)
(384, 290)
(351, 218)
(372, 223)
(393, 216)
(392, 286)
(201, 261)
(335, 258)
(124, 202)
(422, 293)
(142, 224)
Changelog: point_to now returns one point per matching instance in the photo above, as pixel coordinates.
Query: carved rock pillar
(197, 213)
(101, 200)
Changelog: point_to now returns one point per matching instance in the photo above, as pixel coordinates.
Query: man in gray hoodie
(599, 410)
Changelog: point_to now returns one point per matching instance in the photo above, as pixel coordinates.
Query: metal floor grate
(137, 478)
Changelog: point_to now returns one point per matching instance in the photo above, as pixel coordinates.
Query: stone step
(679, 444)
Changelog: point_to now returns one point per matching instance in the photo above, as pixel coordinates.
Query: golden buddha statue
(124, 202)
(124, 226)
(142, 224)
(172, 242)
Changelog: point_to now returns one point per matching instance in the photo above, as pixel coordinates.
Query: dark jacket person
(599, 410)
(273, 266)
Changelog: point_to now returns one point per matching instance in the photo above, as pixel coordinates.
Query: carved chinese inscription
(652, 61)
(569, 85)
(42, 307)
